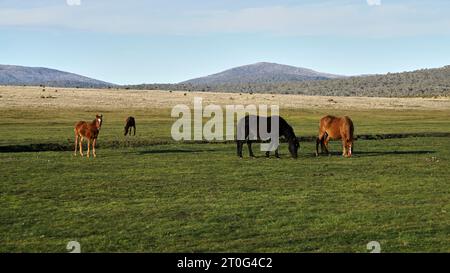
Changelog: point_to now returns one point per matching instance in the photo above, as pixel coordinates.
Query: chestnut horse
(335, 128)
(88, 131)
(130, 123)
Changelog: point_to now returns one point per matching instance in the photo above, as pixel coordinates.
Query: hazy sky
(169, 41)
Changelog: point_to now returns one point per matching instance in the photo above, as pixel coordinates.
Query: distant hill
(262, 73)
(420, 83)
(22, 75)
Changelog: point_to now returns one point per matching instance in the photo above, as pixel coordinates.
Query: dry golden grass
(104, 99)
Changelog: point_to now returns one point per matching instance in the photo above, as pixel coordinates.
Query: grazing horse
(88, 131)
(130, 123)
(284, 130)
(335, 128)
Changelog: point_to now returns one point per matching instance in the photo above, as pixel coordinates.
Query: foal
(336, 128)
(130, 123)
(88, 131)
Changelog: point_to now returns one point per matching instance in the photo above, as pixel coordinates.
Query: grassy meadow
(157, 195)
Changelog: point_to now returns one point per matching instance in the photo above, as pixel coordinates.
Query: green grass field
(180, 197)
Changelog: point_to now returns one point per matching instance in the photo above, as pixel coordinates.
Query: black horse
(284, 130)
(130, 123)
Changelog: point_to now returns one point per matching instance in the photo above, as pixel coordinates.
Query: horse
(130, 123)
(88, 131)
(335, 128)
(284, 130)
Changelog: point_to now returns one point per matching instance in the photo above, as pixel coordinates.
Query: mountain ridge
(422, 82)
(418, 83)
(262, 72)
(26, 75)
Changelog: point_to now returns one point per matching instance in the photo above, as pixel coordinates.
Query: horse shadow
(41, 147)
(173, 151)
(379, 153)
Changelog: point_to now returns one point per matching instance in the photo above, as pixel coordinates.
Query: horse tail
(351, 128)
(322, 141)
(75, 130)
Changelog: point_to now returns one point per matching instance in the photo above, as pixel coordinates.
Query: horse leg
(249, 144)
(277, 155)
(239, 145)
(267, 154)
(325, 145)
(134, 130)
(89, 148)
(76, 144)
(93, 147)
(80, 142)
(319, 140)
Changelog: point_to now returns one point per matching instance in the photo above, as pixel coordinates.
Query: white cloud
(318, 19)
(73, 2)
(374, 2)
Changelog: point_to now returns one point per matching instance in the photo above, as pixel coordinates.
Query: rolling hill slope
(263, 72)
(22, 75)
(419, 83)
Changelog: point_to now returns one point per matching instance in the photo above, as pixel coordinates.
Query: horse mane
(287, 130)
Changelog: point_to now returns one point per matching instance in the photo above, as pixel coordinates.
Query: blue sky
(135, 41)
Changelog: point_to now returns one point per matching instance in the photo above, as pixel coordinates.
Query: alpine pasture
(149, 193)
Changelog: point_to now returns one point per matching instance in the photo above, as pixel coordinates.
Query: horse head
(98, 121)
(349, 147)
(294, 145)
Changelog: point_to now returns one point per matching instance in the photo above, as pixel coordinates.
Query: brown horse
(335, 128)
(130, 123)
(88, 131)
